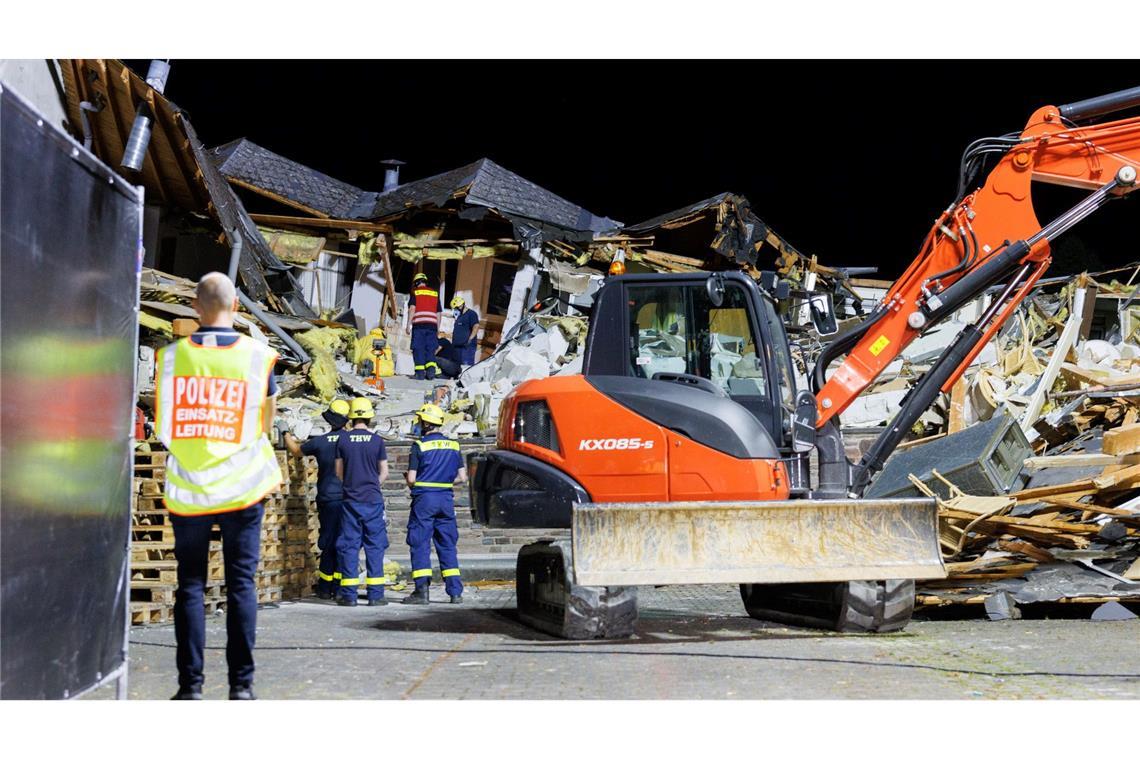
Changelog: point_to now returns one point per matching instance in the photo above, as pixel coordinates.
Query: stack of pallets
(288, 546)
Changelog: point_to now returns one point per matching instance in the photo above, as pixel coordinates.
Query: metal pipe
(264, 318)
(235, 254)
(84, 107)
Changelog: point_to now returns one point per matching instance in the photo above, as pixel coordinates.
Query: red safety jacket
(427, 306)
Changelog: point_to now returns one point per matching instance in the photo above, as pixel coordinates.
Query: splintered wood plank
(1075, 489)
(1122, 440)
(1126, 477)
(957, 419)
(1033, 464)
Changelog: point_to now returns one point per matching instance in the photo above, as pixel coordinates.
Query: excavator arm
(987, 236)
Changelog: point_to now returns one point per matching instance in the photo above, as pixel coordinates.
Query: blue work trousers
(425, 342)
(433, 518)
(328, 573)
(362, 525)
(467, 354)
(241, 548)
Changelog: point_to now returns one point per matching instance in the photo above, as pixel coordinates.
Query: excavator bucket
(797, 541)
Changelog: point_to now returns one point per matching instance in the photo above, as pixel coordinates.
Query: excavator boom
(968, 247)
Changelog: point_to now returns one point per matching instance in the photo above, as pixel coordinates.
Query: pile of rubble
(1034, 457)
(542, 346)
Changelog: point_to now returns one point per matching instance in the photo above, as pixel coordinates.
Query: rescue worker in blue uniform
(330, 492)
(362, 463)
(425, 327)
(434, 466)
(463, 335)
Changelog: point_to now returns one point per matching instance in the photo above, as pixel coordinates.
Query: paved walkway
(693, 642)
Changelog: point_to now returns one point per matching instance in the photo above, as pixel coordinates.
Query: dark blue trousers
(241, 548)
(362, 525)
(433, 518)
(425, 342)
(328, 512)
(467, 354)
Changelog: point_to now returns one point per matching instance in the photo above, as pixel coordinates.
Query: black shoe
(457, 599)
(419, 596)
(326, 594)
(188, 692)
(377, 602)
(241, 692)
(345, 601)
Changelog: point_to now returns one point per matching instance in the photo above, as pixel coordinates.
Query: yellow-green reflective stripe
(350, 581)
(445, 443)
(421, 573)
(337, 576)
(431, 364)
(378, 581)
(424, 484)
(325, 576)
(450, 572)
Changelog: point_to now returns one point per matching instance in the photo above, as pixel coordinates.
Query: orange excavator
(684, 453)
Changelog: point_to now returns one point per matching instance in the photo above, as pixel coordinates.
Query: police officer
(362, 463)
(435, 464)
(215, 402)
(463, 336)
(425, 326)
(330, 492)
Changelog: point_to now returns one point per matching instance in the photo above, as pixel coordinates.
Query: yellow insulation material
(322, 343)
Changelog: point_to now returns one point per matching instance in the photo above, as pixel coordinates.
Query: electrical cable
(588, 649)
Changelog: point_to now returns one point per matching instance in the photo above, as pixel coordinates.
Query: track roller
(849, 607)
(550, 602)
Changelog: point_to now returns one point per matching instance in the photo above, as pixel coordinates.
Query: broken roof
(485, 183)
(176, 171)
(482, 184)
(738, 233)
(245, 163)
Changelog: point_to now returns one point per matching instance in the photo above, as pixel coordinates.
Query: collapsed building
(324, 265)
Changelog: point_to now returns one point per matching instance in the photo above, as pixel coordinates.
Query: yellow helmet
(361, 409)
(431, 414)
(420, 277)
(339, 406)
(457, 302)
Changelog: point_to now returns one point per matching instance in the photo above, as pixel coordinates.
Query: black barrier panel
(69, 261)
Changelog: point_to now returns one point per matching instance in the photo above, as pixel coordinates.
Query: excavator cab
(718, 334)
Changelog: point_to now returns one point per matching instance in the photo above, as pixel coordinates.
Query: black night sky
(848, 160)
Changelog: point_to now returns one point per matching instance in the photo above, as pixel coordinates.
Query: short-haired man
(330, 492)
(362, 464)
(214, 406)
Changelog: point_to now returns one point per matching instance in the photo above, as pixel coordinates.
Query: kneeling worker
(362, 464)
(330, 492)
(434, 466)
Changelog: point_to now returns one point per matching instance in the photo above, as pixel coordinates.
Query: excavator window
(676, 329)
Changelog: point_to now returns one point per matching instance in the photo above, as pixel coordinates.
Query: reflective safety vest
(208, 414)
(438, 462)
(427, 306)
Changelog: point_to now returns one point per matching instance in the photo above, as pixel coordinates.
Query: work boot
(380, 602)
(431, 374)
(419, 596)
(419, 375)
(346, 601)
(188, 692)
(457, 598)
(241, 692)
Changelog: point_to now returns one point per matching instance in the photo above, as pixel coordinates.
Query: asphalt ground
(693, 642)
